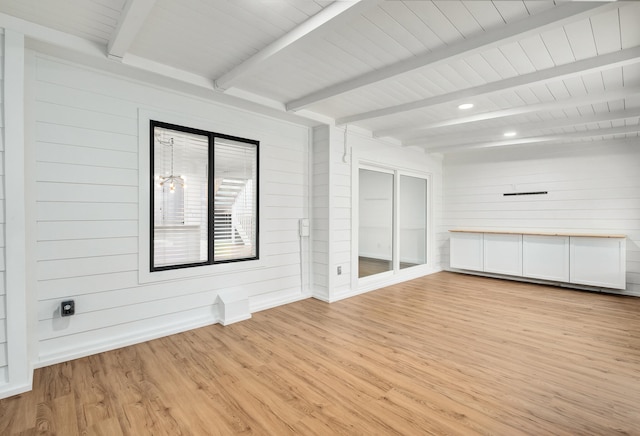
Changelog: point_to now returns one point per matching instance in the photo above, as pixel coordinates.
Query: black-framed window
(204, 197)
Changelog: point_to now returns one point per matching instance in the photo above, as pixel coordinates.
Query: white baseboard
(546, 282)
(227, 322)
(320, 294)
(123, 341)
(9, 390)
(403, 276)
(274, 299)
(258, 303)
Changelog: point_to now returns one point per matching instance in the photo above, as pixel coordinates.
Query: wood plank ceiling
(548, 71)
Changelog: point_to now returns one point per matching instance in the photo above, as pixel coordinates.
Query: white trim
(18, 332)
(124, 341)
(11, 390)
(144, 213)
(262, 302)
(388, 280)
(330, 202)
(396, 275)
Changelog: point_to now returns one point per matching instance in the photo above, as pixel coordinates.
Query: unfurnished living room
(314, 217)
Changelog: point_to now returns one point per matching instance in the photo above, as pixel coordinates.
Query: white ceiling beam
(494, 133)
(79, 50)
(568, 137)
(317, 25)
(559, 15)
(596, 63)
(517, 110)
(133, 16)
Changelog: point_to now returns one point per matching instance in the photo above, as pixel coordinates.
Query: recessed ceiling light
(464, 106)
(509, 134)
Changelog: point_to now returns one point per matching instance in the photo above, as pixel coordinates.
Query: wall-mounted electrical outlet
(68, 308)
(339, 270)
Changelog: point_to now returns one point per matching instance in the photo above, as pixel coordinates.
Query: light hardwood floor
(444, 354)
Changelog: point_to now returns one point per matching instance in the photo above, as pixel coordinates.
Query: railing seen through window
(204, 198)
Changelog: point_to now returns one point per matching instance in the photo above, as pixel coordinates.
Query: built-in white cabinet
(598, 262)
(545, 257)
(594, 260)
(503, 253)
(467, 251)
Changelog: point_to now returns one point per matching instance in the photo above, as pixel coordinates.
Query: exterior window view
(185, 232)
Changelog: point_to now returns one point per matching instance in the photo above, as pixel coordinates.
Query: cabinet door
(503, 254)
(545, 257)
(598, 261)
(466, 251)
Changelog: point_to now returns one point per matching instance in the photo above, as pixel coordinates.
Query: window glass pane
(375, 244)
(180, 161)
(413, 221)
(235, 200)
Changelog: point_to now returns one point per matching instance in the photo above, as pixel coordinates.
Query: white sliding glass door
(392, 221)
(375, 245)
(412, 221)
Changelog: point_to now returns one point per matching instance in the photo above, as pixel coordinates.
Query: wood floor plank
(446, 354)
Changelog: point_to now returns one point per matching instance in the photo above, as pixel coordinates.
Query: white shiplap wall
(86, 152)
(3, 314)
(592, 188)
(320, 214)
(340, 212)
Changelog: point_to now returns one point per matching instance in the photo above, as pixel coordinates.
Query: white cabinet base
(591, 260)
(467, 251)
(598, 262)
(546, 257)
(503, 254)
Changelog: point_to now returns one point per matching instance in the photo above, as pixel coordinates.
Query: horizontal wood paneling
(213, 22)
(87, 194)
(341, 211)
(86, 211)
(81, 155)
(275, 279)
(61, 230)
(85, 248)
(3, 314)
(84, 137)
(590, 189)
(92, 20)
(56, 269)
(66, 173)
(320, 212)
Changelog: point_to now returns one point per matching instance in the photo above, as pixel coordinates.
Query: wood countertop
(528, 232)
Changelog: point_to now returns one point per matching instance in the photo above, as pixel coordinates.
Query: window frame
(211, 139)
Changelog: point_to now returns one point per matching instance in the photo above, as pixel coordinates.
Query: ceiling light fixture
(465, 106)
(171, 179)
(509, 134)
